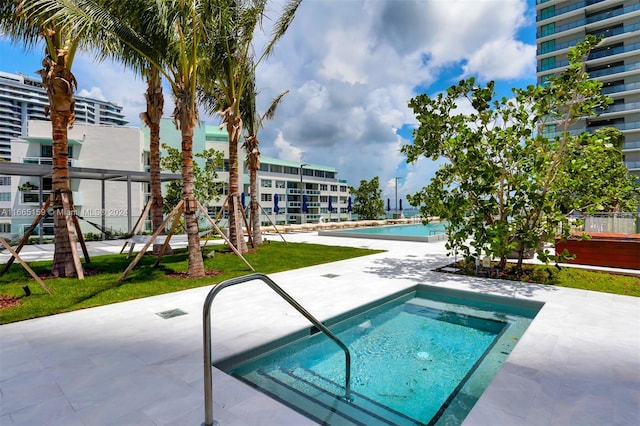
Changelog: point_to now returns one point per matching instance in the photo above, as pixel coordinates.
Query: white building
(616, 62)
(105, 163)
(295, 184)
(109, 179)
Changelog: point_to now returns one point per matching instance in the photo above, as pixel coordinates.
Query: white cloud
(285, 150)
(351, 67)
(502, 59)
(94, 93)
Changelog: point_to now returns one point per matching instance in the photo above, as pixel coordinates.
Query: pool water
(423, 357)
(433, 231)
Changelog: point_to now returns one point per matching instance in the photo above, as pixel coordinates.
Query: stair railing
(206, 328)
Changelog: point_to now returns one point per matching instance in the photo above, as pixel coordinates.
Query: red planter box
(604, 249)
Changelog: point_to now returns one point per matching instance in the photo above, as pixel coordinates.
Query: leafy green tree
(504, 185)
(206, 186)
(597, 158)
(368, 203)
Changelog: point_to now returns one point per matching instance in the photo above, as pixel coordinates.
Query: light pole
(302, 191)
(396, 178)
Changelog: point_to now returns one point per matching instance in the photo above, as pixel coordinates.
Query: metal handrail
(206, 328)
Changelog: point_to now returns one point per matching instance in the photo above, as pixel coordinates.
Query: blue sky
(351, 66)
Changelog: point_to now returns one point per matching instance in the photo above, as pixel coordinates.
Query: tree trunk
(255, 208)
(196, 264)
(63, 262)
(235, 214)
(152, 118)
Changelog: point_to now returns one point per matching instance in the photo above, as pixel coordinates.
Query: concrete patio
(122, 364)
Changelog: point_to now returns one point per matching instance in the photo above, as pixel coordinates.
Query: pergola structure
(42, 171)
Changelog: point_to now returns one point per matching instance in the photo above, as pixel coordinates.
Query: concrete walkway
(122, 364)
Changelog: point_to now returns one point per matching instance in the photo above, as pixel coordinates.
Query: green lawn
(101, 287)
(584, 279)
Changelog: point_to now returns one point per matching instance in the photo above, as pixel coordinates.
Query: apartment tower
(560, 24)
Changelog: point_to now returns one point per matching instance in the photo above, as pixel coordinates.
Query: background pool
(433, 231)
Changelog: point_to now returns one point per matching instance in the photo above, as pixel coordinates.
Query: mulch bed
(185, 275)
(8, 301)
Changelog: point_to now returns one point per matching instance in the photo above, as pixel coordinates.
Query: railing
(206, 329)
(621, 223)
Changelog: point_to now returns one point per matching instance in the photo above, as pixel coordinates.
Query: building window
(266, 197)
(323, 187)
(334, 187)
(266, 183)
(549, 131)
(547, 46)
(5, 196)
(544, 80)
(548, 63)
(46, 151)
(5, 180)
(548, 12)
(33, 197)
(281, 184)
(324, 199)
(343, 188)
(548, 29)
(5, 228)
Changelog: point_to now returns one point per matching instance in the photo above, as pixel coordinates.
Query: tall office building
(615, 62)
(22, 98)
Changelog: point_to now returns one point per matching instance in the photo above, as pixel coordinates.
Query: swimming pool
(433, 231)
(422, 356)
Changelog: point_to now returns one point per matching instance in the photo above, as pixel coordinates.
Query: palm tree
(253, 122)
(27, 22)
(113, 47)
(229, 68)
(184, 26)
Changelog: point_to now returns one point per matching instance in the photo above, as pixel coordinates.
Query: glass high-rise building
(560, 24)
(22, 98)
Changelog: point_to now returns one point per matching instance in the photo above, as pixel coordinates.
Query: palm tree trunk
(255, 208)
(63, 262)
(196, 264)
(152, 117)
(235, 219)
(154, 176)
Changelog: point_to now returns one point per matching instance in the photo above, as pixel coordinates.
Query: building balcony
(600, 18)
(33, 197)
(633, 165)
(620, 109)
(546, 12)
(620, 88)
(48, 161)
(631, 146)
(296, 191)
(615, 70)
